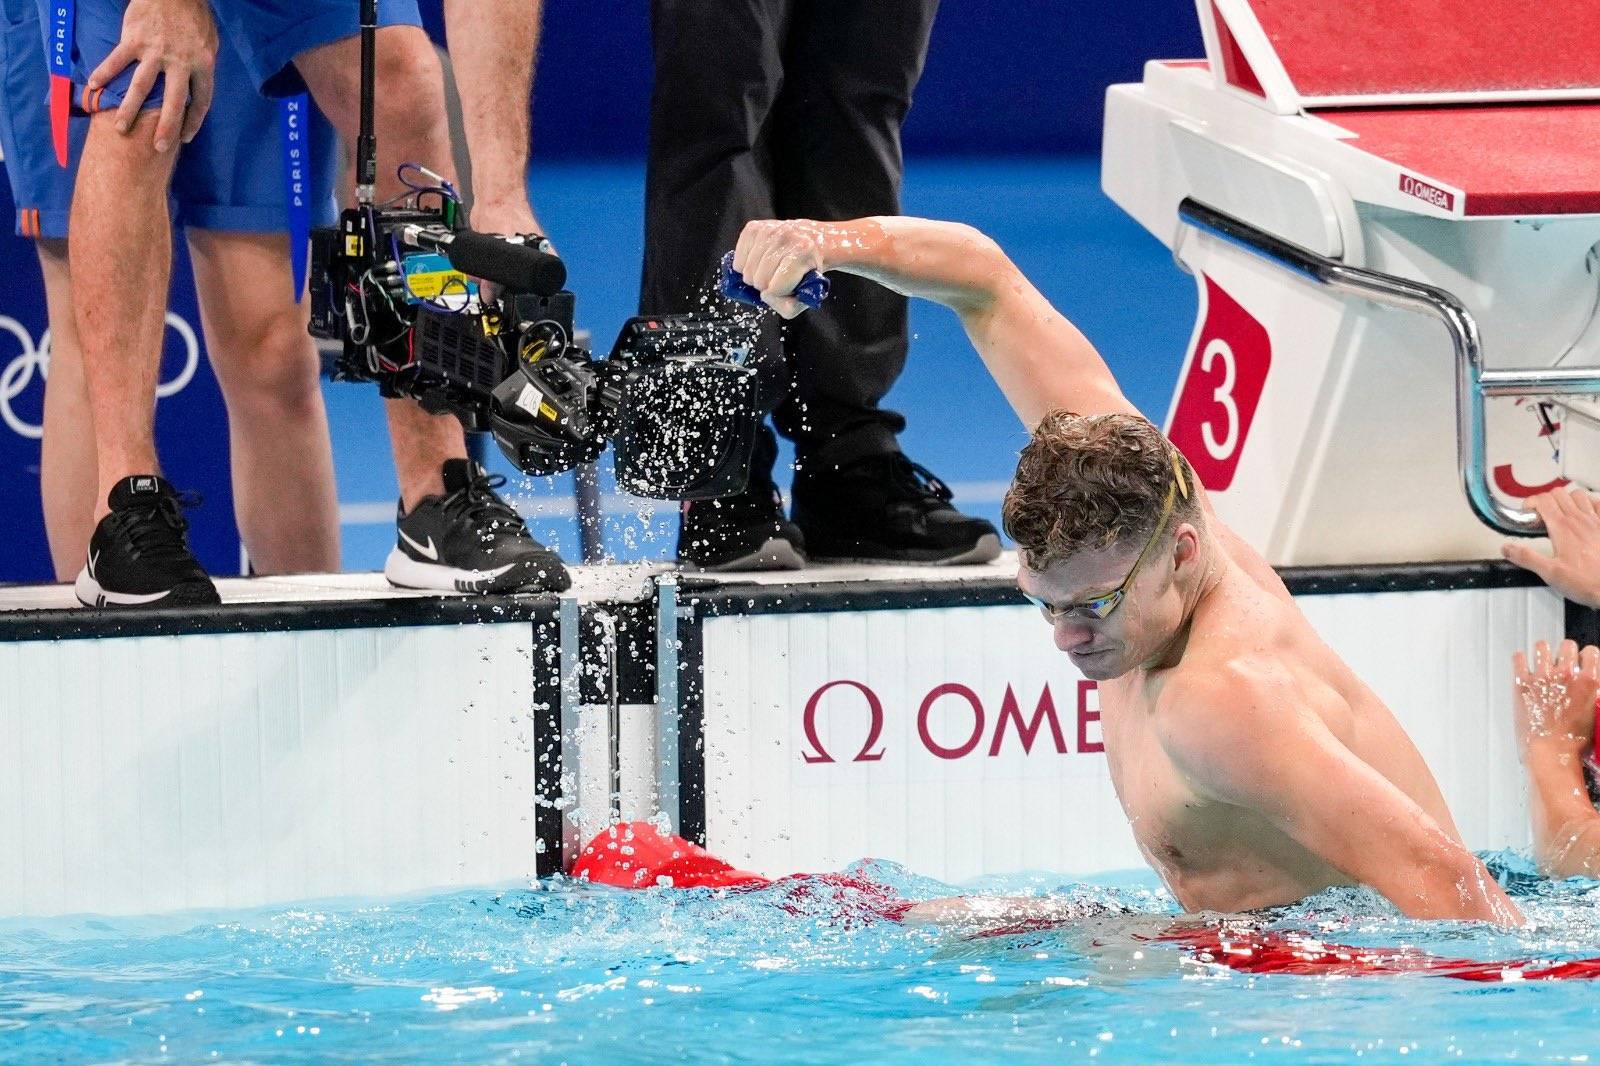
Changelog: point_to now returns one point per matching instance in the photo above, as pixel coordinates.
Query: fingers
(1589, 664)
(1519, 665)
(1566, 664)
(752, 241)
(1541, 658)
(170, 125)
(1567, 502)
(1528, 557)
(786, 306)
(113, 64)
(773, 258)
(201, 87)
(747, 238)
(133, 98)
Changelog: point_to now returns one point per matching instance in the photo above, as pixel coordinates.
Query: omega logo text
(964, 723)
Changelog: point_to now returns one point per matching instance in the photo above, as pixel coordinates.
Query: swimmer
(1253, 765)
(640, 855)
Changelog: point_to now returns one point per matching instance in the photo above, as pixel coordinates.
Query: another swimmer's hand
(1555, 700)
(773, 257)
(1572, 521)
(175, 38)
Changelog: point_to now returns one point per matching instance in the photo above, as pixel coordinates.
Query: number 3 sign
(1217, 399)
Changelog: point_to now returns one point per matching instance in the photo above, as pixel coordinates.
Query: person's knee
(267, 363)
(410, 83)
(410, 101)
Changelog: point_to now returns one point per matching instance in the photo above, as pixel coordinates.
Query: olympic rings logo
(35, 359)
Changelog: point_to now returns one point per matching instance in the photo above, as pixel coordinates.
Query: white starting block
(1343, 181)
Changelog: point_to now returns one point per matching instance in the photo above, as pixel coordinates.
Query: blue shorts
(264, 35)
(41, 190)
(270, 33)
(230, 177)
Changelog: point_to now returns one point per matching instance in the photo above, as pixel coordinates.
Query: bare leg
(283, 487)
(67, 459)
(410, 119)
(120, 250)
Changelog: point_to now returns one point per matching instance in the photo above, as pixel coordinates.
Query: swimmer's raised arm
(1040, 360)
(1239, 738)
(1555, 709)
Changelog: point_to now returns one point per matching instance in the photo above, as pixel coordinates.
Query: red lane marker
(638, 855)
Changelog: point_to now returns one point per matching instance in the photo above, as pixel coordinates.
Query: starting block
(1393, 217)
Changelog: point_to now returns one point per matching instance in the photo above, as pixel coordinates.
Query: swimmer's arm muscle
(1238, 739)
(1041, 361)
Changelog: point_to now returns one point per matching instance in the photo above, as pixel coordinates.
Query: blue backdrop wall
(1003, 76)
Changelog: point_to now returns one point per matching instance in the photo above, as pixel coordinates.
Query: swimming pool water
(578, 973)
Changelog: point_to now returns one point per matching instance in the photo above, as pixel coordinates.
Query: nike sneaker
(471, 540)
(138, 555)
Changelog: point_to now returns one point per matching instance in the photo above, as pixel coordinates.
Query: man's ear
(1185, 545)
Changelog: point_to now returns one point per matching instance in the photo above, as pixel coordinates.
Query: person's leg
(411, 126)
(265, 361)
(66, 452)
(718, 72)
(120, 252)
(852, 67)
(41, 190)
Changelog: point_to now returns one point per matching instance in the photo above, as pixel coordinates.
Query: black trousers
(787, 109)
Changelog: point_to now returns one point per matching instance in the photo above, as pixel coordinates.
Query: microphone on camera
(514, 266)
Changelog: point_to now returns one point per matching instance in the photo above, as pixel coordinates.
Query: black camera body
(681, 395)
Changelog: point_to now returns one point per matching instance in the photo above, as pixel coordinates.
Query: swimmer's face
(1141, 626)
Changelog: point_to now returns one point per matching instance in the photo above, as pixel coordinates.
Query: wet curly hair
(1086, 482)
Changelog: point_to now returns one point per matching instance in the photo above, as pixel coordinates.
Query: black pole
(367, 139)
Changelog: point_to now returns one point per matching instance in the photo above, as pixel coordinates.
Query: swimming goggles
(1100, 607)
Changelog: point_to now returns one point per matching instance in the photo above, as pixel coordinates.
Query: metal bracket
(1474, 384)
(667, 709)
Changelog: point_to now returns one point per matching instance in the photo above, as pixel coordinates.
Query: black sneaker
(471, 540)
(138, 556)
(885, 508)
(743, 532)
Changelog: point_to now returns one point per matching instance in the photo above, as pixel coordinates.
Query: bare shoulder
(1221, 711)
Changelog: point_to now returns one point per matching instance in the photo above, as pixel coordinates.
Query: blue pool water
(579, 973)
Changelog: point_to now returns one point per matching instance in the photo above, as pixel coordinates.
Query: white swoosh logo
(94, 557)
(430, 551)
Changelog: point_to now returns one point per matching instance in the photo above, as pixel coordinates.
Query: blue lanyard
(60, 54)
(293, 115)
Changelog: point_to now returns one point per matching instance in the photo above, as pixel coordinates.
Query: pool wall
(332, 739)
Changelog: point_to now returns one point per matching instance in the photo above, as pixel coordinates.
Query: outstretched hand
(1572, 521)
(1555, 700)
(775, 255)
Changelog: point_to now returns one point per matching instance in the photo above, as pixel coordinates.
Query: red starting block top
(1511, 159)
(1335, 48)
